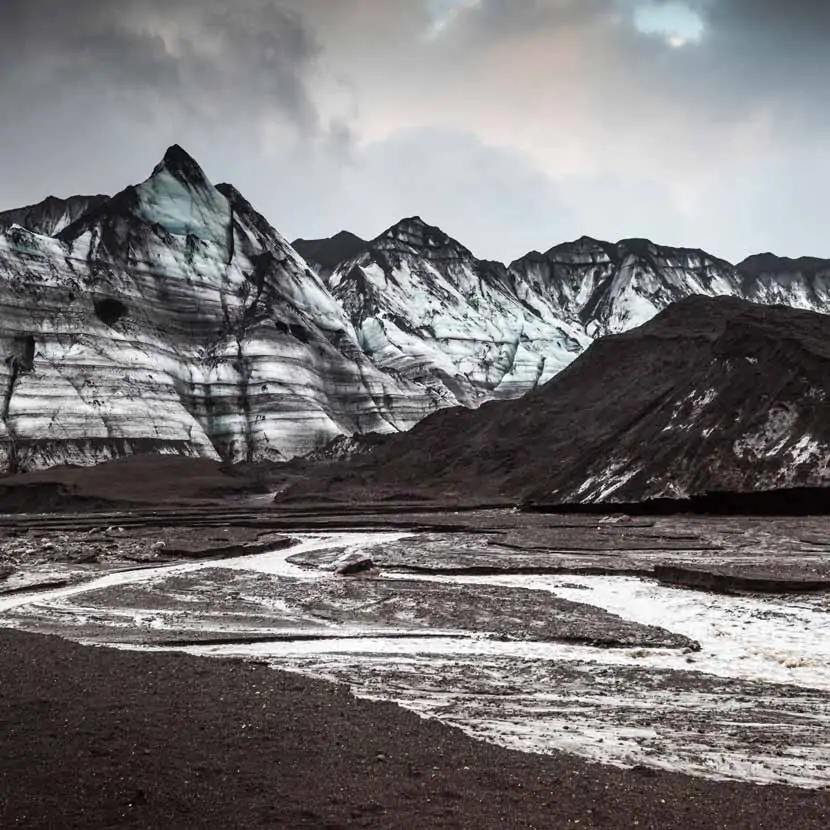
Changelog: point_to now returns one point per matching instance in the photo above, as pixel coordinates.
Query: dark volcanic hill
(713, 394)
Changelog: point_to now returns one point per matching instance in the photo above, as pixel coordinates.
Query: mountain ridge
(173, 318)
(713, 394)
(266, 353)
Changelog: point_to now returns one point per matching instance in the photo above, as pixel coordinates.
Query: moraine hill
(711, 395)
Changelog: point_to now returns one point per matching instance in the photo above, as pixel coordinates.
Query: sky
(513, 124)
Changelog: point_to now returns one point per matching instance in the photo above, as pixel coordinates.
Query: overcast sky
(512, 124)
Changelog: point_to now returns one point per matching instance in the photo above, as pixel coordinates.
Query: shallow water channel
(501, 656)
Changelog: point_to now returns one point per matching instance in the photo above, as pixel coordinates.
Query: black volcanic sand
(130, 482)
(97, 738)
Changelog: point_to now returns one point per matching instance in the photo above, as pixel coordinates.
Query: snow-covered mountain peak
(182, 166)
(585, 250)
(174, 318)
(52, 215)
(414, 236)
(179, 197)
(176, 202)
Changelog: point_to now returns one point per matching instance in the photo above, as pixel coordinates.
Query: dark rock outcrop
(712, 395)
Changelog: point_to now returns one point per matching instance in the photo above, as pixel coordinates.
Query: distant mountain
(173, 317)
(800, 283)
(324, 255)
(613, 287)
(422, 305)
(712, 394)
(52, 215)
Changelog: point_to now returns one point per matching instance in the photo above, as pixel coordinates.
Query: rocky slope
(421, 303)
(52, 215)
(173, 318)
(713, 394)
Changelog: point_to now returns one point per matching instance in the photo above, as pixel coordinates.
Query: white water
(274, 563)
(771, 640)
(543, 696)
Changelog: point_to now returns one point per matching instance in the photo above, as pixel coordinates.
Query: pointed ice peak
(415, 233)
(180, 167)
(179, 164)
(179, 198)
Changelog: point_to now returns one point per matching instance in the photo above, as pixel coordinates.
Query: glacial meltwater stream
(753, 704)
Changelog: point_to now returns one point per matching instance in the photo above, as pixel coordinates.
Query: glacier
(422, 304)
(173, 318)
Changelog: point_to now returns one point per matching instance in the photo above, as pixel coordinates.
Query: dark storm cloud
(94, 90)
(514, 123)
(60, 42)
(197, 53)
(811, 17)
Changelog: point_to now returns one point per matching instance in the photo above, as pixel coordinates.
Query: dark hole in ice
(110, 311)
(300, 332)
(22, 358)
(27, 358)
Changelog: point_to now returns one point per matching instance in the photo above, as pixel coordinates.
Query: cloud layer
(513, 125)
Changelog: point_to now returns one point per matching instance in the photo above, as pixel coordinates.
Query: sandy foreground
(94, 737)
(100, 738)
